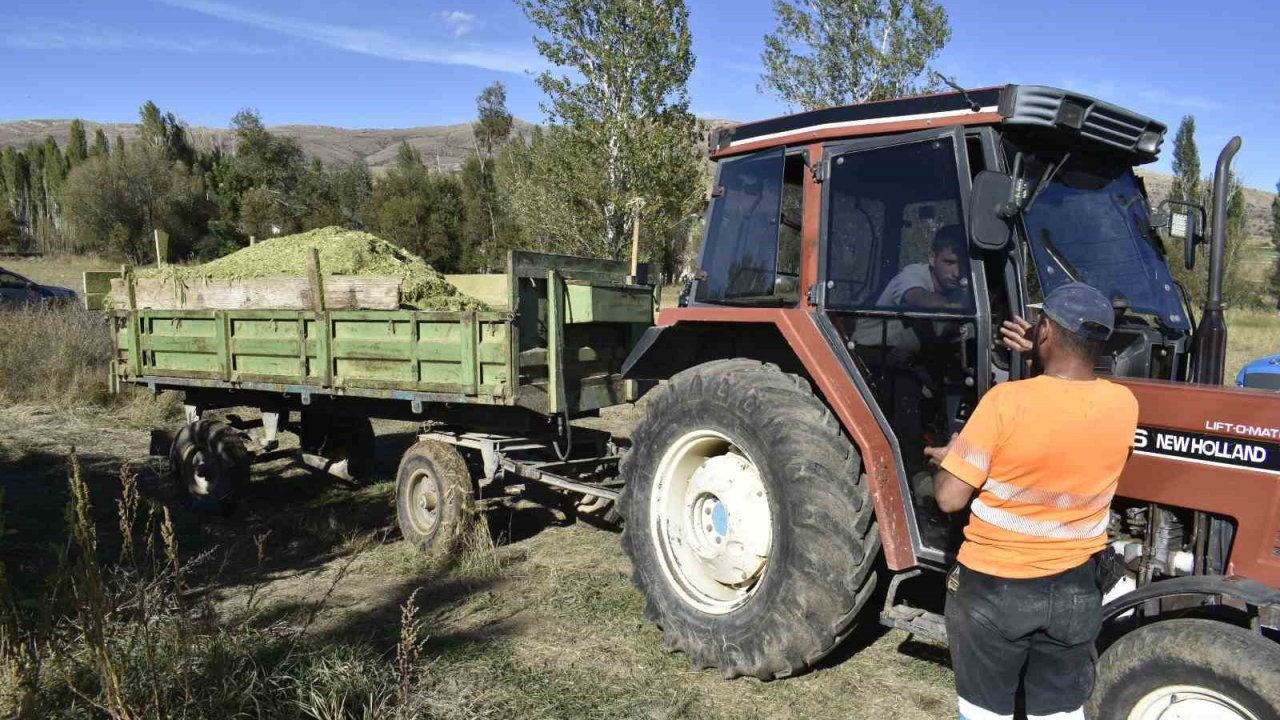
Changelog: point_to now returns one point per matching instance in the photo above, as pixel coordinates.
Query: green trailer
(495, 390)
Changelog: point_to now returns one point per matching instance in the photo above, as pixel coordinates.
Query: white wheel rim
(424, 502)
(1188, 702)
(199, 474)
(710, 521)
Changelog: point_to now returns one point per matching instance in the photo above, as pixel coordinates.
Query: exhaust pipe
(1209, 346)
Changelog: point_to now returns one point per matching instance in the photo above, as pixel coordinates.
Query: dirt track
(547, 623)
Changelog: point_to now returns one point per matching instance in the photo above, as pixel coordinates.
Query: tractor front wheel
(748, 523)
(1188, 668)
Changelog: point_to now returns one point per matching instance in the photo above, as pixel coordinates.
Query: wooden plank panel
(341, 292)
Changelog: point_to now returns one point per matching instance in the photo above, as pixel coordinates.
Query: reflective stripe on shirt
(1013, 522)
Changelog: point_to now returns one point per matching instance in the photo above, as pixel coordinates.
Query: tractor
(776, 492)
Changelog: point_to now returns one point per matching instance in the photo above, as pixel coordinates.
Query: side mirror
(991, 210)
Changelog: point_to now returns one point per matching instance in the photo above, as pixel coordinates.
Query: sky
(405, 63)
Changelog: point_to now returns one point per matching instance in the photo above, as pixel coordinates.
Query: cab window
(751, 254)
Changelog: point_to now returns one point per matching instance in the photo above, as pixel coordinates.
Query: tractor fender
(1265, 600)
(793, 340)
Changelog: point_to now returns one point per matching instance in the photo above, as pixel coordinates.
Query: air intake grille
(1102, 122)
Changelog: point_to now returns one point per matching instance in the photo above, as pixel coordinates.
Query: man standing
(1044, 456)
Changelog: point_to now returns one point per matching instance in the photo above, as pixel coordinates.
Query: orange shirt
(1045, 455)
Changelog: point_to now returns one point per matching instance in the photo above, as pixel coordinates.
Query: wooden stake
(155, 235)
(317, 281)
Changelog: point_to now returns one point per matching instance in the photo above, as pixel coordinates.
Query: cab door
(906, 296)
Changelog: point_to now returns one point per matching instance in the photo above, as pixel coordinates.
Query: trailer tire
(435, 500)
(210, 465)
(1188, 664)
(780, 444)
(339, 438)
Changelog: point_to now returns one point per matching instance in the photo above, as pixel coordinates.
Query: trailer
(494, 391)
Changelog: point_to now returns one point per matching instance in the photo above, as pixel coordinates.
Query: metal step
(927, 624)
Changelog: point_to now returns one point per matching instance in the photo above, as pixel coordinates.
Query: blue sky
(401, 63)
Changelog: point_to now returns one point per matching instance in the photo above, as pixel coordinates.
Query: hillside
(1257, 202)
(447, 146)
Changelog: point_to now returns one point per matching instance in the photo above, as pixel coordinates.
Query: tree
(166, 133)
(481, 213)
(100, 147)
(77, 144)
(1275, 218)
(273, 164)
(1275, 241)
(623, 108)
(837, 52)
(417, 210)
(352, 186)
(1186, 162)
(495, 122)
(113, 204)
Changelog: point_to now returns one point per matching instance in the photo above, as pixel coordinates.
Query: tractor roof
(1011, 105)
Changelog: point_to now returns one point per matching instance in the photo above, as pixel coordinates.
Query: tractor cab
(912, 228)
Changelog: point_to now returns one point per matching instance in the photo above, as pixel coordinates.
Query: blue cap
(1081, 310)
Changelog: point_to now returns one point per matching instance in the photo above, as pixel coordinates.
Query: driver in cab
(892, 347)
(938, 282)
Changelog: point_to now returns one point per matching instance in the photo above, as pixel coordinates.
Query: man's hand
(935, 454)
(1015, 334)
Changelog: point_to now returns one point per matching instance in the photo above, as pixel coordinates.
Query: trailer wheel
(435, 502)
(210, 465)
(346, 441)
(1188, 668)
(748, 522)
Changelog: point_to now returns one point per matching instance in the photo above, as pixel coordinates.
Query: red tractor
(777, 483)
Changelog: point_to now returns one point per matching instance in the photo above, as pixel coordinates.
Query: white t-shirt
(871, 331)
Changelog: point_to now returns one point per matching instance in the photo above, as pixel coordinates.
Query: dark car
(17, 291)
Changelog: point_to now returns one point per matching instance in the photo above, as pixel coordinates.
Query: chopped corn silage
(342, 252)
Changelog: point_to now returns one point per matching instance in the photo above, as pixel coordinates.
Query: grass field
(64, 271)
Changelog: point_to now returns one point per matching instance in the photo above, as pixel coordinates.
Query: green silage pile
(342, 252)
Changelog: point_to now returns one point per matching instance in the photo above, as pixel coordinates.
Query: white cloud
(74, 37)
(461, 23)
(372, 42)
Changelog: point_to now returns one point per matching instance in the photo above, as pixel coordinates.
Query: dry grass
(57, 355)
(1251, 334)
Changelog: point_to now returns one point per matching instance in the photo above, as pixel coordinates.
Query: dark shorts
(1037, 632)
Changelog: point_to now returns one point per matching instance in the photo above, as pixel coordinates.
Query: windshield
(1090, 223)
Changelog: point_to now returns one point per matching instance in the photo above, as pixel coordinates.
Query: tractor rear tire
(1190, 665)
(756, 452)
(339, 439)
(435, 500)
(210, 465)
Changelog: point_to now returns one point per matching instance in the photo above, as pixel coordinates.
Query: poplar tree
(100, 147)
(838, 52)
(619, 94)
(77, 144)
(1186, 162)
(481, 219)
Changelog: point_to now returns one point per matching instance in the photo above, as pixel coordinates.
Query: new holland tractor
(780, 461)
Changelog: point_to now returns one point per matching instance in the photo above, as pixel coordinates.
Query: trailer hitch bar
(564, 483)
